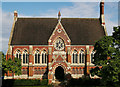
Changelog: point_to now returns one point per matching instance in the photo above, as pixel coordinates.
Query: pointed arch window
(18, 54)
(37, 57)
(44, 57)
(74, 56)
(25, 57)
(92, 55)
(82, 57)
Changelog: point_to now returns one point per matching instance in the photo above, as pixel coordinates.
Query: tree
(108, 56)
(12, 65)
(3, 64)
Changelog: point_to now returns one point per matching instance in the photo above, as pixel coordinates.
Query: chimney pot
(15, 14)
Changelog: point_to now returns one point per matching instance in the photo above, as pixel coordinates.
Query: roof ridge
(51, 18)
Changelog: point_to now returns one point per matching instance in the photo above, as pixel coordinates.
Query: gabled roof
(37, 31)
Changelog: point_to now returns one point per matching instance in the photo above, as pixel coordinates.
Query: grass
(30, 86)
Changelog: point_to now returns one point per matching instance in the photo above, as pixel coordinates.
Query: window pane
(45, 57)
(80, 58)
(73, 57)
(23, 58)
(20, 56)
(38, 58)
(35, 58)
(92, 55)
(17, 55)
(26, 58)
(76, 58)
(83, 58)
(42, 58)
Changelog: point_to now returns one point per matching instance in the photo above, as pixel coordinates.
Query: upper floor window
(92, 55)
(44, 57)
(81, 57)
(18, 54)
(74, 56)
(59, 44)
(25, 57)
(37, 57)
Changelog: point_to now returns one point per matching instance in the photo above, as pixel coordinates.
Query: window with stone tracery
(82, 57)
(59, 44)
(18, 54)
(37, 57)
(44, 57)
(25, 57)
(74, 56)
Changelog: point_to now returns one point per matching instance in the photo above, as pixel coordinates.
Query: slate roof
(37, 31)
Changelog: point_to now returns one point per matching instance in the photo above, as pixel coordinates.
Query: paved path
(58, 84)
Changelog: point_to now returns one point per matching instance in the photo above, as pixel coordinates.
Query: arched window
(44, 57)
(25, 57)
(18, 54)
(92, 55)
(81, 57)
(75, 56)
(37, 57)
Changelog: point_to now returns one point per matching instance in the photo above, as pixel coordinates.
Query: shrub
(44, 82)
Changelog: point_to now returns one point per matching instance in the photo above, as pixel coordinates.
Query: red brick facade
(41, 61)
(55, 57)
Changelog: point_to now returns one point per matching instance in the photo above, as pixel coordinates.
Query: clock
(59, 44)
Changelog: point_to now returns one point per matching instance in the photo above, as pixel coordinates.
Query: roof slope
(37, 31)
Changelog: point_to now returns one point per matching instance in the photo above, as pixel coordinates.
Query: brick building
(52, 47)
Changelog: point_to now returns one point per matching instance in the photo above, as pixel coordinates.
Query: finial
(59, 14)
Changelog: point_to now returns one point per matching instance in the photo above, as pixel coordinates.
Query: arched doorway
(59, 73)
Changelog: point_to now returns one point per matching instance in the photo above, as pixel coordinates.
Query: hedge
(23, 82)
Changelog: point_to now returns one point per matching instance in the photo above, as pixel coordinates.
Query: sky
(50, 9)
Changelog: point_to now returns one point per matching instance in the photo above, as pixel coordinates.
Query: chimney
(59, 14)
(102, 18)
(15, 15)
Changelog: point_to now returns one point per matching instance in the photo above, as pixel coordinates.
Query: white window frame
(81, 52)
(74, 53)
(38, 53)
(19, 53)
(43, 59)
(93, 52)
(26, 53)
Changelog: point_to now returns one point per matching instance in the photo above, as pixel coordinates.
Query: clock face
(59, 44)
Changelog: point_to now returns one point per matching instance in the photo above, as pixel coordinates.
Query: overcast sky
(50, 9)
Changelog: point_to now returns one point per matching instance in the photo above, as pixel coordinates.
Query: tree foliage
(13, 65)
(108, 56)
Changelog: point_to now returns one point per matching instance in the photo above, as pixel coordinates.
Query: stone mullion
(40, 59)
(78, 58)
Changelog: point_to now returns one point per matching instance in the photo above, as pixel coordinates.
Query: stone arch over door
(55, 67)
(61, 65)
